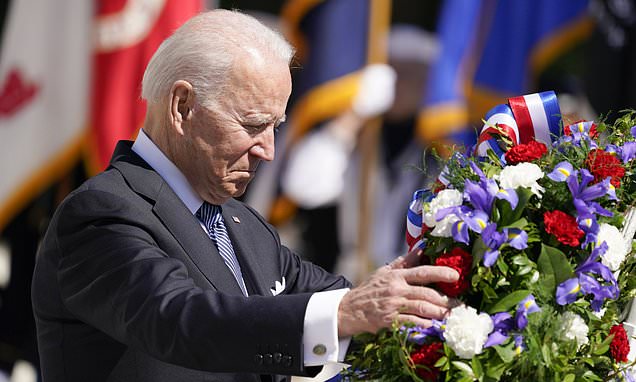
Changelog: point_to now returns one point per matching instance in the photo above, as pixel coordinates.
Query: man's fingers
(426, 274)
(428, 294)
(423, 309)
(419, 321)
(411, 259)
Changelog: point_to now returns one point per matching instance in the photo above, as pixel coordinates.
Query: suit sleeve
(113, 276)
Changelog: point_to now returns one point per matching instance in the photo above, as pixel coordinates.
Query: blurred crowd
(339, 187)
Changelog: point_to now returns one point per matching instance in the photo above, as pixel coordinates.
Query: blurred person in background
(324, 168)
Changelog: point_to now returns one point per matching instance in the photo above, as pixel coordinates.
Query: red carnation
(563, 226)
(427, 355)
(526, 152)
(620, 344)
(461, 261)
(603, 164)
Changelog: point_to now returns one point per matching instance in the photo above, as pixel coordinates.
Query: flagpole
(379, 21)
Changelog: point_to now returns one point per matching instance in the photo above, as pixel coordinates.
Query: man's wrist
(321, 344)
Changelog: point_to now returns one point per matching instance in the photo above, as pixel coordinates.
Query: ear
(181, 104)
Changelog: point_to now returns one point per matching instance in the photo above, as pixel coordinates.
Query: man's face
(224, 146)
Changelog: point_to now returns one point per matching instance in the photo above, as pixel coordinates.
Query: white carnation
(573, 328)
(466, 331)
(522, 175)
(444, 199)
(617, 246)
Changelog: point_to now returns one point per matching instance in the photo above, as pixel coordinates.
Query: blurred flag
(334, 40)
(493, 50)
(127, 33)
(44, 76)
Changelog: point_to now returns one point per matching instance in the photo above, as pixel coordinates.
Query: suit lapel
(246, 249)
(176, 217)
(186, 229)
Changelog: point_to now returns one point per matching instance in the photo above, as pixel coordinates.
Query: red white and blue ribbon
(530, 117)
(414, 221)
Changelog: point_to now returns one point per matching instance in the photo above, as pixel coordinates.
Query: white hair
(202, 51)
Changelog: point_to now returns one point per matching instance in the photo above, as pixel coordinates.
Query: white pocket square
(279, 286)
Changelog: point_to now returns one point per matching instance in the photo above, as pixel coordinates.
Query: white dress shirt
(321, 315)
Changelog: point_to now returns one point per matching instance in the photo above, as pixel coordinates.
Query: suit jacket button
(287, 360)
(258, 359)
(268, 359)
(277, 357)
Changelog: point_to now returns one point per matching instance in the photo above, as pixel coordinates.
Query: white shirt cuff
(321, 344)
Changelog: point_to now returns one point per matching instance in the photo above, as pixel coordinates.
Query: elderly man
(151, 271)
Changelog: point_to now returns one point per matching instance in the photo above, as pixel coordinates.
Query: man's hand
(395, 291)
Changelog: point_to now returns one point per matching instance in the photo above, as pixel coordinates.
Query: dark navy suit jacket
(128, 287)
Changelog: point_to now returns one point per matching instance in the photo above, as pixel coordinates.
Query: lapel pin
(236, 219)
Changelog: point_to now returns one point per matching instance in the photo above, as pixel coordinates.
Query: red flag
(127, 34)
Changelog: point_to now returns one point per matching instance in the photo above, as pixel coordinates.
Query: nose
(264, 147)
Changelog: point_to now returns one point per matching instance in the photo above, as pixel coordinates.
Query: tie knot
(209, 214)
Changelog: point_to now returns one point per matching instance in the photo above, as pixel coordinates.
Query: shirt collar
(148, 151)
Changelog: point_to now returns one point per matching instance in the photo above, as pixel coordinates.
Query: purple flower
(477, 220)
(502, 323)
(517, 238)
(588, 224)
(586, 281)
(493, 240)
(418, 335)
(479, 195)
(627, 152)
(460, 232)
(584, 196)
(562, 172)
(519, 345)
(510, 195)
(482, 195)
(568, 291)
(580, 132)
(526, 306)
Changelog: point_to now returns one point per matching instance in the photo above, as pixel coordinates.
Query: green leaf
(501, 264)
(477, 369)
(554, 266)
(521, 223)
(479, 248)
(510, 216)
(505, 353)
(441, 362)
(489, 292)
(524, 270)
(509, 301)
(569, 378)
(590, 376)
(545, 352)
(521, 260)
(495, 368)
(600, 350)
(465, 369)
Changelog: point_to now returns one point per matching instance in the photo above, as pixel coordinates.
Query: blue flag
(492, 50)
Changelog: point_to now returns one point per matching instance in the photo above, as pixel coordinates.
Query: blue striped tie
(210, 216)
